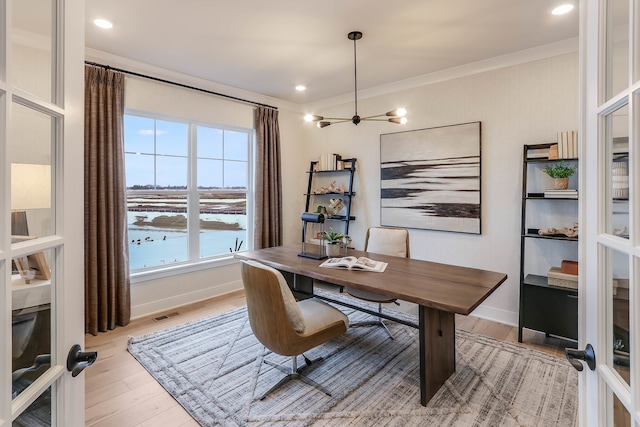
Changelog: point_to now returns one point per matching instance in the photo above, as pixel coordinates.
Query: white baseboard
(165, 304)
(497, 315)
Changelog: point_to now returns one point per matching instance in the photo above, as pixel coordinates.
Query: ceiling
(269, 47)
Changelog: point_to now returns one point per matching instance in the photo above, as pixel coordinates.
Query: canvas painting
(430, 178)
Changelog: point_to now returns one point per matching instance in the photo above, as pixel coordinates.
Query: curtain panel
(268, 186)
(107, 292)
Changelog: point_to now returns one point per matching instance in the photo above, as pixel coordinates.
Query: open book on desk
(353, 263)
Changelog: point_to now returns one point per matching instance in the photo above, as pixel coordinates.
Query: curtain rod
(108, 67)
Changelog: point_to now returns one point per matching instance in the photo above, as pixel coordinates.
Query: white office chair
(386, 241)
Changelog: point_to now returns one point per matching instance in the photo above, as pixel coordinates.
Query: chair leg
(294, 374)
(377, 322)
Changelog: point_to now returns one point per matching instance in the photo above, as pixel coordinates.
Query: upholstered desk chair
(386, 241)
(285, 326)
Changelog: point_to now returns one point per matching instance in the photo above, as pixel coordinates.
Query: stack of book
(329, 162)
(570, 193)
(565, 276)
(568, 144)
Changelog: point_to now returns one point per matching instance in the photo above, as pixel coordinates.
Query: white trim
(176, 270)
(182, 299)
(496, 315)
(516, 58)
(152, 70)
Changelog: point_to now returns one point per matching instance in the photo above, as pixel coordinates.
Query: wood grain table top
(445, 287)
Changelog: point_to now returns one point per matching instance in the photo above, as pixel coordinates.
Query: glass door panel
(617, 321)
(617, 151)
(621, 417)
(616, 48)
(31, 318)
(32, 64)
(37, 414)
(31, 173)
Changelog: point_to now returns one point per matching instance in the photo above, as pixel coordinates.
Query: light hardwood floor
(120, 392)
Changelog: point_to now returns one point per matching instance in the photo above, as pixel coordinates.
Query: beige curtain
(268, 191)
(107, 295)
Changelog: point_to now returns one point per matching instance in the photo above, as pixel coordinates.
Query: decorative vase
(561, 183)
(333, 249)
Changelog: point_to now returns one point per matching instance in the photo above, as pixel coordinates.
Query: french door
(41, 210)
(610, 211)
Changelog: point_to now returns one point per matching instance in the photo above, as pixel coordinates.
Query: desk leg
(300, 283)
(437, 350)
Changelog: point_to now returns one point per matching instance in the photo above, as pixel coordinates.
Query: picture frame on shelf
(33, 266)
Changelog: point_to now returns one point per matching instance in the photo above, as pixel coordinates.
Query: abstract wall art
(430, 178)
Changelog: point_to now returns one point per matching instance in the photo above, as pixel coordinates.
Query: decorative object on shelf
(430, 178)
(620, 179)
(335, 241)
(335, 206)
(564, 231)
(331, 189)
(621, 232)
(560, 172)
(33, 266)
(394, 116)
(556, 277)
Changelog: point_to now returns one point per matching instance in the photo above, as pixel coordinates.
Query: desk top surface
(442, 286)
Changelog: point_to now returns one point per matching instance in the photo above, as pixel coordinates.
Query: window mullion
(193, 207)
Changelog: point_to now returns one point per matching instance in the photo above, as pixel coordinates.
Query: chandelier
(394, 116)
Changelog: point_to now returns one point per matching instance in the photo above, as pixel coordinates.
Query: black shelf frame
(535, 288)
(347, 195)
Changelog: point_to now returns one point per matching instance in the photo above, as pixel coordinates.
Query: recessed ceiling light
(561, 10)
(300, 88)
(103, 23)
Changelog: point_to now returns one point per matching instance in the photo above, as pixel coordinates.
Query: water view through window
(170, 221)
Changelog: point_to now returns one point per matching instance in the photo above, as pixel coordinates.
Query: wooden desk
(440, 290)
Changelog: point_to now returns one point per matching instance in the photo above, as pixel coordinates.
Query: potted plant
(333, 240)
(560, 172)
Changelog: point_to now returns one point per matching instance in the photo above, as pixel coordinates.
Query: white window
(187, 190)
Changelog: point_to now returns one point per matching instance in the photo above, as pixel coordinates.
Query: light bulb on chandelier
(394, 116)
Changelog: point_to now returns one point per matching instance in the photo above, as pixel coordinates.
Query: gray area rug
(213, 368)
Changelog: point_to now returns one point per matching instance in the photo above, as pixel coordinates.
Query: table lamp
(316, 218)
(30, 189)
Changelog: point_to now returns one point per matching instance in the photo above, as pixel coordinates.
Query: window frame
(194, 262)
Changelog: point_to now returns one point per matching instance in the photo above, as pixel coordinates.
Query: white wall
(520, 104)
(157, 293)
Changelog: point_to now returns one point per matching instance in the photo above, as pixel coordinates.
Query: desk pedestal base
(437, 350)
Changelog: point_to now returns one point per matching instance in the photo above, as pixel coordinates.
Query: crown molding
(516, 58)
(116, 61)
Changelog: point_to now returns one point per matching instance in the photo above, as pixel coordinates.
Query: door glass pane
(621, 417)
(223, 223)
(37, 414)
(31, 174)
(618, 327)
(31, 314)
(617, 47)
(32, 66)
(617, 149)
(157, 227)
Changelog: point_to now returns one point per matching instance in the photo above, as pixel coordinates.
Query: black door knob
(587, 355)
(77, 359)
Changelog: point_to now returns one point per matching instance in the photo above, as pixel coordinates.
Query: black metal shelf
(543, 307)
(348, 195)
